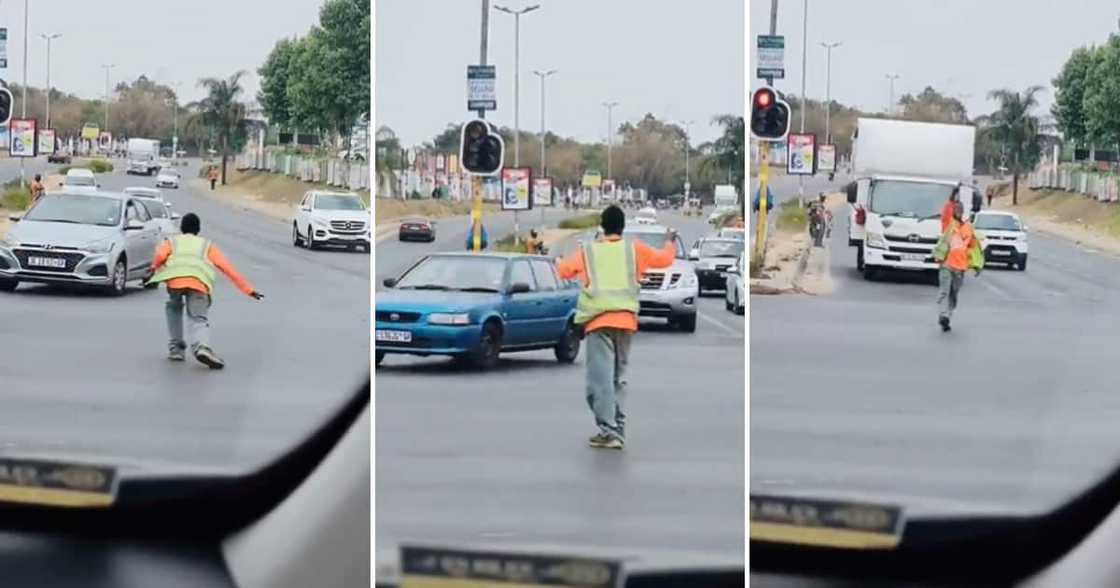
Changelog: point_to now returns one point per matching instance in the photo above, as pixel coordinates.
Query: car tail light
(861, 216)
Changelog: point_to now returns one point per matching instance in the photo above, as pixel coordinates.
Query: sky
(964, 48)
(677, 60)
(169, 41)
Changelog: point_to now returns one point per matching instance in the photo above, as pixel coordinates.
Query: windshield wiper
(56, 220)
(425, 287)
(477, 289)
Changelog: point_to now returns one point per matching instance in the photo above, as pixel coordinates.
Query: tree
(931, 106)
(275, 74)
(1069, 95)
(728, 151)
(223, 112)
(1017, 129)
(1101, 89)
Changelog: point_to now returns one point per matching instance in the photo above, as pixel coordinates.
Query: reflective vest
(612, 281)
(187, 260)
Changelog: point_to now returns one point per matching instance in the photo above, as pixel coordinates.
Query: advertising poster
(90, 131)
(826, 158)
(105, 140)
(608, 186)
(23, 137)
(592, 179)
(515, 188)
(46, 141)
(801, 159)
(542, 191)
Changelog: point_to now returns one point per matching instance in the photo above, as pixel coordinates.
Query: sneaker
(944, 322)
(606, 442)
(599, 440)
(207, 356)
(176, 354)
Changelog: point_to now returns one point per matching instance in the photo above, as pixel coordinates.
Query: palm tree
(222, 111)
(1015, 126)
(728, 151)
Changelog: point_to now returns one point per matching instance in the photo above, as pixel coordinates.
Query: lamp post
(49, 38)
(687, 148)
(610, 132)
(828, 93)
(517, 77)
(543, 75)
(107, 67)
(890, 105)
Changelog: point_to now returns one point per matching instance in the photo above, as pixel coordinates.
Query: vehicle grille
(910, 250)
(72, 260)
(397, 317)
(906, 239)
(653, 281)
(723, 268)
(348, 226)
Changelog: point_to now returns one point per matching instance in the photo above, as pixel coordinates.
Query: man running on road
(186, 262)
(610, 270)
(956, 252)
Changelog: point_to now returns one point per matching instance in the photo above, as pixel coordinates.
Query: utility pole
(610, 132)
(890, 105)
(23, 100)
(517, 77)
(759, 256)
(476, 181)
(49, 38)
(543, 170)
(828, 93)
(687, 148)
(804, 105)
(107, 67)
(175, 121)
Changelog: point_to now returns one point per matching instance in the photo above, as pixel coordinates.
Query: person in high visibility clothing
(947, 209)
(186, 263)
(213, 175)
(957, 251)
(37, 188)
(482, 242)
(610, 270)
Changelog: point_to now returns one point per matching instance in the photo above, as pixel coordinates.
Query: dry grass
(388, 209)
(1069, 209)
(273, 188)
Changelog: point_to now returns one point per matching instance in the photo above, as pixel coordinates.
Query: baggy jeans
(608, 353)
(950, 282)
(197, 306)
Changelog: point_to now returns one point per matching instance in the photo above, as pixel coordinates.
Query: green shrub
(791, 217)
(586, 221)
(100, 166)
(15, 198)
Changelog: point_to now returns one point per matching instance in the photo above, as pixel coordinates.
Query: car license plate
(1000, 252)
(394, 336)
(913, 257)
(56, 262)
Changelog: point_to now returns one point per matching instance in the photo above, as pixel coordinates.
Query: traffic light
(769, 115)
(5, 106)
(481, 149)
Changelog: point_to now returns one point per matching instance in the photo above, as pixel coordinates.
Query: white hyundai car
(1003, 237)
(168, 178)
(734, 299)
(331, 218)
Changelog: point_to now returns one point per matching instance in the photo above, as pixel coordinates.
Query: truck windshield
(908, 199)
(999, 222)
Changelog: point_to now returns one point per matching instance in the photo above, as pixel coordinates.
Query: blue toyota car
(473, 307)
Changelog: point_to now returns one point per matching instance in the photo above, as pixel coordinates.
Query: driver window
(681, 253)
(519, 272)
(130, 213)
(142, 212)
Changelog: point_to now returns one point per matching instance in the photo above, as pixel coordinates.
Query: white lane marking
(713, 321)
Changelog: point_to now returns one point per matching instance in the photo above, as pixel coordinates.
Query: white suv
(734, 298)
(671, 292)
(1003, 237)
(331, 218)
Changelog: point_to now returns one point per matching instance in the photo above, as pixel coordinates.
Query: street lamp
(890, 105)
(828, 93)
(542, 75)
(23, 99)
(517, 77)
(610, 133)
(175, 120)
(49, 38)
(687, 140)
(107, 67)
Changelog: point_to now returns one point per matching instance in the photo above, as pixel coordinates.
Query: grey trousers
(949, 288)
(608, 353)
(197, 306)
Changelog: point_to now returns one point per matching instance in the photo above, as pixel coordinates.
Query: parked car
(168, 178)
(417, 229)
(473, 307)
(331, 218)
(1003, 237)
(99, 239)
(735, 296)
(671, 292)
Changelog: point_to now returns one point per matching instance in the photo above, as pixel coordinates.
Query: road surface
(860, 394)
(501, 457)
(87, 375)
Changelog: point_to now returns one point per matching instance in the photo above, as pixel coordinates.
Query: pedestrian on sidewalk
(610, 271)
(956, 252)
(947, 208)
(213, 176)
(533, 243)
(186, 263)
(769, 200)
(482, 236)
(37, 188)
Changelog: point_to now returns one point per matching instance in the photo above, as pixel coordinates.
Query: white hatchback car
(1003, 237)
(168, 178)
(331, 218)
(735, 299)
(80, 180)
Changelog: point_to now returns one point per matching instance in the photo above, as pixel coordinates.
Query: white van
(904, 173)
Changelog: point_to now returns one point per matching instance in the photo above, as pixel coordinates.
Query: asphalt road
(87, 375)
(501, 457)
(860, 394)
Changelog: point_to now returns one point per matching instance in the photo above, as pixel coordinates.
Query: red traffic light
(763, 98)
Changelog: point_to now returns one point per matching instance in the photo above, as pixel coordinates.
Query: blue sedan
(474, 306)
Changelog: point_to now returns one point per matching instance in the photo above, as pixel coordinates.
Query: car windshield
(455, 273)
(338, 202)
(80, 180)
(729, 248)
(908, 199)
(655, 240)
(76, 209)
(999, 222)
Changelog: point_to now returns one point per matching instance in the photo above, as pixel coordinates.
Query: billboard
(105, 140)
(542, 191)
(801, 156)
(826, 158)
(46, 141)
(608, 186)
(515, 188)
(23, 138)
(90, 131)
(592, 179)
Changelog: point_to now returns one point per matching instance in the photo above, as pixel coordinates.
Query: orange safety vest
(213, 173)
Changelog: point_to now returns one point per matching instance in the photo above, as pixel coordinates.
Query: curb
(802, 265)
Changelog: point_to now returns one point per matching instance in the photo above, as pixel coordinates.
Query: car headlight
(9, 241)
(876, 240)
(103, 246)
(441, 318)
(687, 281)
(318, 221)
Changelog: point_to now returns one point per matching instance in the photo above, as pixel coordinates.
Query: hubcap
(118, 276)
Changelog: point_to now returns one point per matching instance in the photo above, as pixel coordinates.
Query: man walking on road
(186, 262)
(956, 252)
(947, 209)
(610, 270)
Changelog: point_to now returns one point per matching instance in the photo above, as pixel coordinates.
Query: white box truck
(904, 172)
(143, 156)
(726, 200)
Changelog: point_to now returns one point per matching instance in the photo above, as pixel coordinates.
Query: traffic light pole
(760, 224)
(476, 181)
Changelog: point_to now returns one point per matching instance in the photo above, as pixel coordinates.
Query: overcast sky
(169, 41)
(677, 60)
(960, 47)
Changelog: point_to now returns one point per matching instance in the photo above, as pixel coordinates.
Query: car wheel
(740, 307)
(687, 323)
(568, 348)
(119, 278)
(296, 241)
(8, 285)
(380, 355)
(870, 274)
(727, 304)
(1023, 263)
(489, 346)
(859, 258)
(309, 240)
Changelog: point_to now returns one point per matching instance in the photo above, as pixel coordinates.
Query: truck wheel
(859, 257)
(1023, 262)
(870, 274)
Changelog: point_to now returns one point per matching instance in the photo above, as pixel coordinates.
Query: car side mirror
(134, 225)
(305, 208)
(389, 282)
(176, 216)
(518, 288)
(14, 218)
(852, 190)
(694, 255)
